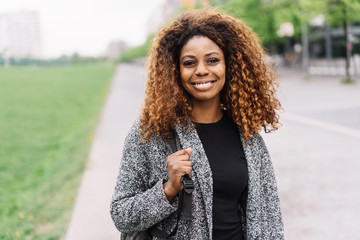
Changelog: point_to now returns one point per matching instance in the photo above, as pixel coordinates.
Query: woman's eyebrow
(190, 56)
(208, 54)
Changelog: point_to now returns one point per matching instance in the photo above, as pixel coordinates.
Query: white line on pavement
(323, 125)
(328, 107)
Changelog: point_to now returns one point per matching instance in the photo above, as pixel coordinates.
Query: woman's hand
(178, 165)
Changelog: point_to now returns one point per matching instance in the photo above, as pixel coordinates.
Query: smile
(202, 86)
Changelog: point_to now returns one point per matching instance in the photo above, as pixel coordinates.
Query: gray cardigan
(139, 201)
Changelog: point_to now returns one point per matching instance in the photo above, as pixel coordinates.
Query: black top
(222, 144)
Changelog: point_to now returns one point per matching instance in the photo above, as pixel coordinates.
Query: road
(316, 155)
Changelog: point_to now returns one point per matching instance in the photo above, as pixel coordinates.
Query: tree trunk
(347, 43)
(328, 48)
(305, 48)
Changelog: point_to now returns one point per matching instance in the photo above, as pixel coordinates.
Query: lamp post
(286, 30)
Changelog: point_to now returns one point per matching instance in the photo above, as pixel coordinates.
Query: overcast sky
(86, 26)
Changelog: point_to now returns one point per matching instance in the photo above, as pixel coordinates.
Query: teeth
(203, 84)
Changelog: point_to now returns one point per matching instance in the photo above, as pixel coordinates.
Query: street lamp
(286, 31)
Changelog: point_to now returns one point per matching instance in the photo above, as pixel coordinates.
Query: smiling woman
(202, 71)
(209, 90)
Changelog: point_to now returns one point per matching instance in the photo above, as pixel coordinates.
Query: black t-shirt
(222, 144)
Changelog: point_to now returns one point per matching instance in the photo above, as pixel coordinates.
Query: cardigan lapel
(201, 170)
(252, 207)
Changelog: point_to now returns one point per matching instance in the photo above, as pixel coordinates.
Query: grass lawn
(47, 119)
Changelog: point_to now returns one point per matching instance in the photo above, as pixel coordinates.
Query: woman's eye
(213, 60)
(189, 63)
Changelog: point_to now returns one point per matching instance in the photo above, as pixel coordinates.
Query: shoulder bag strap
(185, 195)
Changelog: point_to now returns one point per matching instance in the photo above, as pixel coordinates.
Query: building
(115, 48)
(20, 34)
(168, 9)
(161, 15)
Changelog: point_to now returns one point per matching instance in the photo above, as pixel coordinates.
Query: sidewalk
(316, 157)
(91, 219)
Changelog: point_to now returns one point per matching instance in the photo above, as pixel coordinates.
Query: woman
(207, 83)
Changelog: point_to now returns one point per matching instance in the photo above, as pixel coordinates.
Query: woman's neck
(206, 112)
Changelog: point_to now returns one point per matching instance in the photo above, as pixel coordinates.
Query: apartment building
(20, 34)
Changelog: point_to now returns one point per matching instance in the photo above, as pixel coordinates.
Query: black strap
(185, 201)
(187, 197)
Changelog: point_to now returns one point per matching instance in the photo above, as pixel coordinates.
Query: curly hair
(250, 86)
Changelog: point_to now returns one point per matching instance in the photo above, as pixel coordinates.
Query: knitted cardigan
(139, 201)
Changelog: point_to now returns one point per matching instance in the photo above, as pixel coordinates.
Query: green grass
(347, 80)
(47, 118)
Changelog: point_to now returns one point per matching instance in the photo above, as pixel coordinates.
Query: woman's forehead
(200, 46)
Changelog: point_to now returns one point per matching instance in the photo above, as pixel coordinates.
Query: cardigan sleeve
(134, 206)
(270, 205)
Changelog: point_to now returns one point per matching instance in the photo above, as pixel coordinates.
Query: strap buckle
(188, 184)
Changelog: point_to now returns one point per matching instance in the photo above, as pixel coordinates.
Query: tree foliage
(256, 15)
(137, 52)
(266, 16)
(339, 11)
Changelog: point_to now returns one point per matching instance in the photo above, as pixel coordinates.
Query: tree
(252, 13)
(137, 52)
(265, 17)
(343, 12)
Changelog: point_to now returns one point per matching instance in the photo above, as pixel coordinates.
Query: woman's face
(202, 69)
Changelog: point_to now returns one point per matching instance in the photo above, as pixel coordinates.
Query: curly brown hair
(250, 86)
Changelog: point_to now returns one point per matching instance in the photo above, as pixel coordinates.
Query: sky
(86, 26)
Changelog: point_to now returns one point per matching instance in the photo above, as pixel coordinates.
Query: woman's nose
(201, 69)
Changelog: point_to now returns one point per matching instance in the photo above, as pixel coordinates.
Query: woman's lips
(203, 85)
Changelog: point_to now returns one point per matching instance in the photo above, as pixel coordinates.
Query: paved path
(316, 155)
(91, 219)
(317, 158)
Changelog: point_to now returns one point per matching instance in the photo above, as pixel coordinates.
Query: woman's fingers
(187, 170)
(183, 158)
(181, 155)
(186, 151)
(178, 165)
